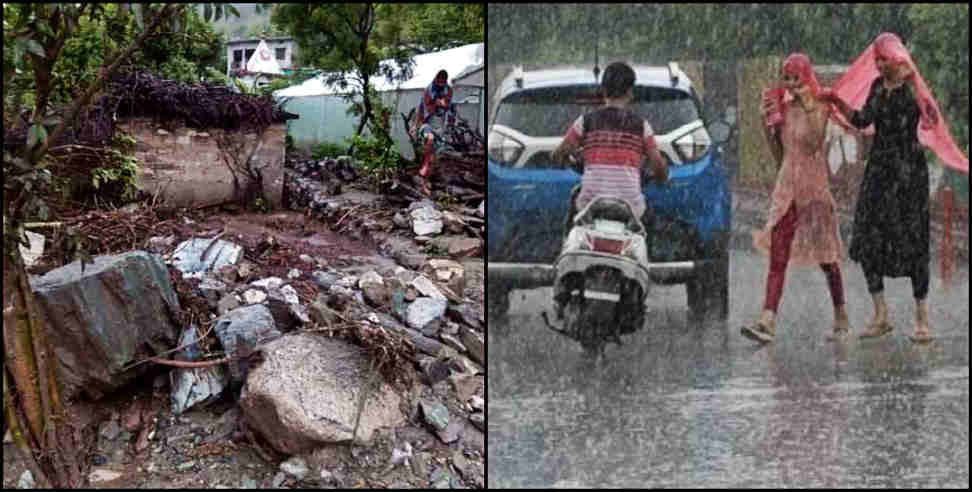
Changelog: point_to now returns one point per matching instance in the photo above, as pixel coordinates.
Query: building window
(281, 53)
(249, 54)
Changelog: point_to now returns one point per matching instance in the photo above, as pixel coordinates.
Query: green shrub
(378, 157)
(328, 149)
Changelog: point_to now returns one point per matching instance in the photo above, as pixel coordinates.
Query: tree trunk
(34, 410)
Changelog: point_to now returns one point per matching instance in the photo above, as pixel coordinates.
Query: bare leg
(922, 332)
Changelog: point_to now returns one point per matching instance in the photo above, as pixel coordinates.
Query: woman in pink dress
(802, 225)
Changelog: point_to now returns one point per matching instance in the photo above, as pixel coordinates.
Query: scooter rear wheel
(589, 321)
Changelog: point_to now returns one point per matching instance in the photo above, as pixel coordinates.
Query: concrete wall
(186, 166)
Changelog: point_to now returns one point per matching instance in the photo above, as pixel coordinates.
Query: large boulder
(105, 317)
(306, 391)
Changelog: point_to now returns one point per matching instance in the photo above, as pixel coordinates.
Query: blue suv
(528, 194)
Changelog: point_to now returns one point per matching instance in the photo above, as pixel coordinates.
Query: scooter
(602, 277)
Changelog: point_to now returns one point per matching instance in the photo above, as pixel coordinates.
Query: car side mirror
(719, 131)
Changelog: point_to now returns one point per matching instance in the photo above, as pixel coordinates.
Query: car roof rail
(672, 72)
(518, 76)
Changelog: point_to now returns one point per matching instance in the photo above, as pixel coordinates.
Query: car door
(527, 209)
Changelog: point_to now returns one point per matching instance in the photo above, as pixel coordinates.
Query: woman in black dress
(891, 223)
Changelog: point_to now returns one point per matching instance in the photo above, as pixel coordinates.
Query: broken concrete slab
(106, 316)
(198, 255)
(306, 393)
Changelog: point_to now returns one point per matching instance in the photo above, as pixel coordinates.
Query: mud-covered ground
(139, 443)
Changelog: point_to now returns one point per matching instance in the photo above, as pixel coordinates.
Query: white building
(239, 52)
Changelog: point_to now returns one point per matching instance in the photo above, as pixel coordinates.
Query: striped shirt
(613, 143)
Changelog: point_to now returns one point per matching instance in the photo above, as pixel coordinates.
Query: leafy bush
(378, 157)
(117, 179)
(328, 149)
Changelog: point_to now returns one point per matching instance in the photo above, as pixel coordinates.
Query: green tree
(348, 41)
(40, 421)
(438, 26)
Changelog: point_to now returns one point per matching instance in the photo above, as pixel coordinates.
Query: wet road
(689, 404)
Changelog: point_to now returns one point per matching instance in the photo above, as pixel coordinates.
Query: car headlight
(692, 145)
(503, 148)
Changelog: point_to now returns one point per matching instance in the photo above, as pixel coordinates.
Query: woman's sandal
(838, 334)
(877, 330)
(758, 332)
(921, 336)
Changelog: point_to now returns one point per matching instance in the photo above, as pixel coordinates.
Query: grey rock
(105, 317)
(450, 328)
(268, 283)
(159, 244)
(248, 483)
(299, 314)
(254, 296)
(306, 259)
(426, 221)
(463, 313)
(293, 273)
(212, 289)
(440, 478)
(434, 369)
(305, 394)
(187, 465)
(110, 430)
(435, 413)
(400, 221)
(412, 261)
(465, 385)
(323, 279)
(376, 295)
(240, 331)
(431, 329)
(452, 342)
(423, 203)
(227, 303)
(479, 420)
(420, 465)
(278, 479)
(319, 312)
(474, 344)
(370, 278)
(451, 433)
(465, 247)
(427, 288)
(482, 209)
(205, 255)
(295, 467)
(193, 386)
(423, 310)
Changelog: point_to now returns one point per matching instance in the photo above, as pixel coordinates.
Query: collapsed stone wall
(185, 168)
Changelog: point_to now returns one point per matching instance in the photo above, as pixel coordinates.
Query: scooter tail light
(604, 245)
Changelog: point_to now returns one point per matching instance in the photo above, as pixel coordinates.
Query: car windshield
(548, 112)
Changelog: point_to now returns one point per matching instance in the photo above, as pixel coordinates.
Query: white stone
(425, 309)
(426, 221)
(254, 296)
(427, 288)
(26, 480)
(268, 283)
(476, 402)
(290, 294)
(104, 475)
(370, 277)
(296, 467)
(348, 282)
(306, 259)
(482, 209)
(35, 250)
(293, 273)
(374, 319)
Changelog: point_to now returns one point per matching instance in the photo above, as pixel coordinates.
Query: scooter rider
(613, 141)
